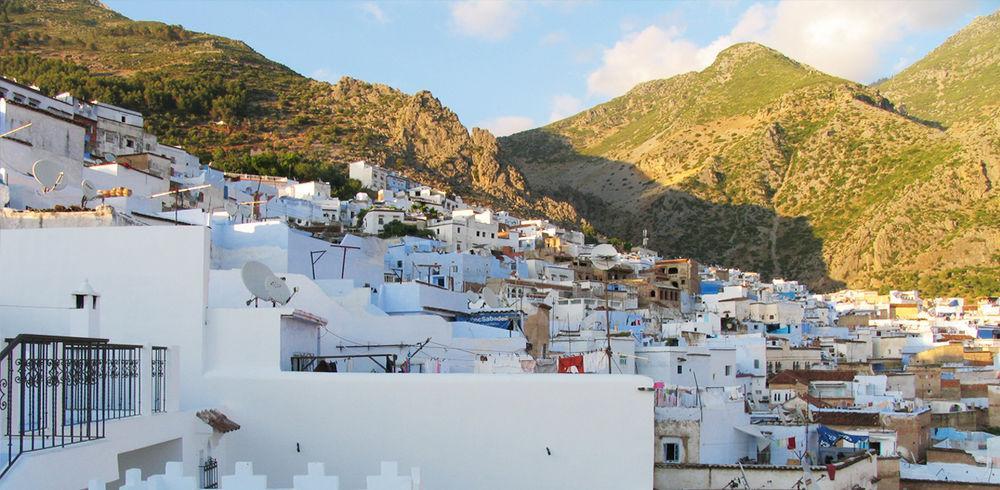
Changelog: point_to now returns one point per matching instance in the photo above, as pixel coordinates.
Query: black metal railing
(56, 391)
(158, 375)
(210, 473)
(333, 363)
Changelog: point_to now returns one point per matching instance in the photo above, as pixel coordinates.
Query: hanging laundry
(595, 362)
(661, 394)
(571, 364)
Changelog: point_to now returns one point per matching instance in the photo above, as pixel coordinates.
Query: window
(795, 365)
(729, 370)
(123, 118)
(129, 143)
(79, 300)
(381, 220)
(399, 263)
(671, 451)
(756, 363)
(680, 369)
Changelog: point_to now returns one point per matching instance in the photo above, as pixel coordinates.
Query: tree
(396, 228)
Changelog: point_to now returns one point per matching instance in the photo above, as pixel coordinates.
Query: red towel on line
(567, 363)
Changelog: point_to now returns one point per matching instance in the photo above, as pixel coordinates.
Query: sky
(510, 66)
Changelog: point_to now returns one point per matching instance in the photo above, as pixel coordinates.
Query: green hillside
(958, 81)
(222, 100)
(764, 163)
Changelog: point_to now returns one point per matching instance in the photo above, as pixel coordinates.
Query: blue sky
(509, 66)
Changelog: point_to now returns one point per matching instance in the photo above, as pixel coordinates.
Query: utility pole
(607, 320)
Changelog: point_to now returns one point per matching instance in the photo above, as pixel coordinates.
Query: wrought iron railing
(57, 391)
(158, 375)
(210, 473)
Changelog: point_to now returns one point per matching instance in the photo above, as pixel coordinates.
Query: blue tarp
(710, 287)
(829, 437)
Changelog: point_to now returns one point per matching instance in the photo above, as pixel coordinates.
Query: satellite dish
(471, 295)
(604, 256)
(232, 209)
(277, 290)
(491, 298)
(110, 157)
(89, 191)
(905, 453)
(50, 174)
(256, 277)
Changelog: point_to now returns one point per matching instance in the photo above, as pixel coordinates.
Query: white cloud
(324, 75)
(645, 55)
(563, 106)
(553, 38)
(508, 125)
(485, 19)
(846, 39)
(374, 12)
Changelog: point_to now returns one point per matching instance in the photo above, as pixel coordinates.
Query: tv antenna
(605, 257)
(49, 174)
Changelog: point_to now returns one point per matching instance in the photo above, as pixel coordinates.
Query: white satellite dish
(89, 191)
(277, 290)
(491, 298)
(256, 277)
(49, 174)
(604, 256)
(232, 209)
(905, 454)
(110, 157)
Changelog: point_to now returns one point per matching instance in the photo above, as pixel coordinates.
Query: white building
(152, 287)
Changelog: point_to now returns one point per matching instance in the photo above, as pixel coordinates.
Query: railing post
(146, 389)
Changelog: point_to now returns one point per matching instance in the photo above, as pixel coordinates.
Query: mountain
(764, 163)
(757, 162)
(959, 81)
(220, 99)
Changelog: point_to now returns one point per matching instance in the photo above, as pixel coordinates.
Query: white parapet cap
(308, 317)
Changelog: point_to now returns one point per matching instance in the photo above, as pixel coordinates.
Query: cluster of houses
(130, 269)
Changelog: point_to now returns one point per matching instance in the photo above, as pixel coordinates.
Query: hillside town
(172, 325)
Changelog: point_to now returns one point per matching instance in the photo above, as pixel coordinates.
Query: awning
(762, 440)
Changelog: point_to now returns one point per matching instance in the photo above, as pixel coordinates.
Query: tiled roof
(850, 418)
(792, 376)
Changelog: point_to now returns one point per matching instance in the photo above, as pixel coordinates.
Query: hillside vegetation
(220, 99)
(767, 164)
(757, 162)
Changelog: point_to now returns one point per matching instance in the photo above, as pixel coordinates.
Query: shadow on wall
(746, 236)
